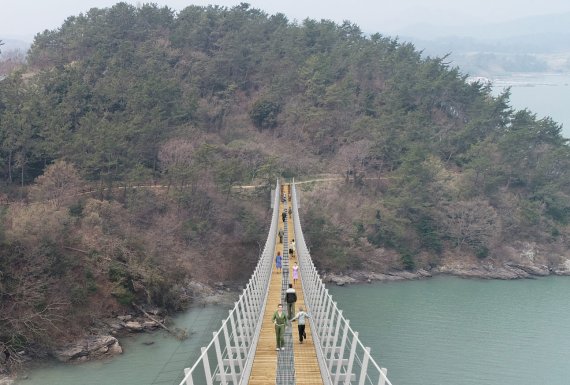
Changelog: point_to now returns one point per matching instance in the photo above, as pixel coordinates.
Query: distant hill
(550, 25)
(532, 44)
(13, 45)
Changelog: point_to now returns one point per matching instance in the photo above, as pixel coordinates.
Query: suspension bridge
(243, 350)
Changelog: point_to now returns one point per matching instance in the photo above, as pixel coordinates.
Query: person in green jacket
(279, 319)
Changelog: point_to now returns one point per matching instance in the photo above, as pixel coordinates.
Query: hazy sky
(24, 18)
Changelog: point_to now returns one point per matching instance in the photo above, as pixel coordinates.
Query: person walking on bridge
(301, 316)
(280, 320)
(278, 262)
(295, 274)
(290, 298)
(292, 249)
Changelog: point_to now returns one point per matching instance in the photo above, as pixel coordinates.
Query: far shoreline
(507, 272)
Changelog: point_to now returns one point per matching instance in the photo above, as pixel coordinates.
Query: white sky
(25, 18)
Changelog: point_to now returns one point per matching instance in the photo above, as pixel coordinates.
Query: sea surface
(453, 331)
(543, 94)
(439, 331)
(148, 358)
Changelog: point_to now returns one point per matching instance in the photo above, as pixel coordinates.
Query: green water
(451, 331)
(162, 362)
(440, 331)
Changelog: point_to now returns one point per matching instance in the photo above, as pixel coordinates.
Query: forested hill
(437, 171)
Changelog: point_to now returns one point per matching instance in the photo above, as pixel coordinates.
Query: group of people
(284, 197)
(279, 267)
(280, 319)
(284, 214)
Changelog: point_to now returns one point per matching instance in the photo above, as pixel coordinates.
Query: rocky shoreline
(102, 344)
(104, 340)
(489, 270)
(105, 343)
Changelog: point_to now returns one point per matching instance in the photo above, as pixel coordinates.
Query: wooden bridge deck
(307, 371)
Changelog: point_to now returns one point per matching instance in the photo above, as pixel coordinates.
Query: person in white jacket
(301, 316)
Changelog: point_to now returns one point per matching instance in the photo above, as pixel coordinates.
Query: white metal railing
(229, 355)
(343, 359)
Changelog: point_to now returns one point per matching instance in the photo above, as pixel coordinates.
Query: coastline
(111, 330)
(104, 341)
(505, 271)
(225, 295)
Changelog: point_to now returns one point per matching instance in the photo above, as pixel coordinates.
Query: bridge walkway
(306, 367)
(307, 370)
(243, 351)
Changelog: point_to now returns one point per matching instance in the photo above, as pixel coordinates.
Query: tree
(31, 311)
(18, 126)
(60, 181)
(351, 158)
(474, 223)
(176, 161)
(264, 113)
(227, 173)
(11, 60)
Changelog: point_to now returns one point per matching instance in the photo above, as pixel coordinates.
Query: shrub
(264, 113)
(78, 295)
(117, 272)
(123, 295)
(482, 252)
(428, 235)
(408, 261)
(36, 224)
(76, 210)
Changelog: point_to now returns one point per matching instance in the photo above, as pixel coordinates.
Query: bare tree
(27, 314)
(175, 158)
(60, 181)
(11, 60)
(351, 157)
(473, 223)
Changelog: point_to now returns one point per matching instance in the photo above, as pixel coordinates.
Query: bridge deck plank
(307, 371)
(265, 361)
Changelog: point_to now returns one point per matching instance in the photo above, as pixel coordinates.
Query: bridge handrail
(233, 346)
(343, 358)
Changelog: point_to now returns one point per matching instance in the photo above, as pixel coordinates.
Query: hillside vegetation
(194, 103)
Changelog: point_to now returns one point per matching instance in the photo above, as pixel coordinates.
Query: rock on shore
(490, 271)
(91, 347)
(6, 380)
(368, 276)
